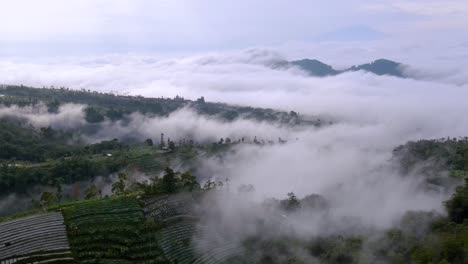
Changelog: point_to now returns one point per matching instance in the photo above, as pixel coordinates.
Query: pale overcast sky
(55, 27)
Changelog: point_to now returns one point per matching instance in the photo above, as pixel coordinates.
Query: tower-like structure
(162, 140)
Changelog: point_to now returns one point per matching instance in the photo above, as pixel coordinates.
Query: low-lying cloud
(349, 162)
(182, 124)
(69, 116)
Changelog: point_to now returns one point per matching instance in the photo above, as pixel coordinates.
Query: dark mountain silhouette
(320, 69)
(315, 67)
(380, 67)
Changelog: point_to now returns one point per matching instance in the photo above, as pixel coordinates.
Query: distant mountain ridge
(320, 69)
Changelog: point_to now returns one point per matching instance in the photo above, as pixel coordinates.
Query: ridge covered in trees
(115, 106)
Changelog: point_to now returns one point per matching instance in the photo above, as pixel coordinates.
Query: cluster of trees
(451, 153)
(446, 241)
(30, 157)
(421, 237)
(20, 179)
(171, 182)
(21, 142)
(115, 107)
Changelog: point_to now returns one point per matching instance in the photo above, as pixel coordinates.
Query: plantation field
(111, 230)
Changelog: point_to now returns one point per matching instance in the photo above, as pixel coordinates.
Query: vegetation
(457, 207)
(446, 153)
(111, 230)
(115, 107)
(172, 182)
(22, 143)
(150, 221)
(19, 177)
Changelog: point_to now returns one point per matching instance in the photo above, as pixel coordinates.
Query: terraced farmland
(220, 254)
(152, 161)
(111, 230)
(147, 163)
(175, 213)
(156, 229)
(35, 239)
(176, 241)
(160, 208)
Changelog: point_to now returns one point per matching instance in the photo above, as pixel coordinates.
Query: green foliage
(448, 153)
(169, 181)
(58, 186)
(21, 142)
(92, 192)
(47, 199)
(457, 206)
(118, 188)
(115, 107)
(93, 115)
(336, 249)
(188, 182)
(19, 179)
(53, 106)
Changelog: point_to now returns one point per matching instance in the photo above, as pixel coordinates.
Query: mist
(349, 162)
(184, 123)
(69, 116)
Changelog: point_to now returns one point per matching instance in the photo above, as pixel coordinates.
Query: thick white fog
(349, 162)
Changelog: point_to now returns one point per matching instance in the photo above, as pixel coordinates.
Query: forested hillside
(115, 107)
(153, 199)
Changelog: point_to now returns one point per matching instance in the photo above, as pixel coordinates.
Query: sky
(89, 27)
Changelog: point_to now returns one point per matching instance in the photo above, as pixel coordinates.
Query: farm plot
(160, 208)
(111, 230)
(37, 238)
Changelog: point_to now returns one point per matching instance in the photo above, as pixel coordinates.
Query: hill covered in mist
(120, 178)
(319, 69)
(114, 106)
(74, 138)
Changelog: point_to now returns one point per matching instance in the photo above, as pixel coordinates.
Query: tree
(209, 185)
(47, 132)
(118, 188)
(149, 142)
(201, 100)
(58, 187)
(153, 187)
(171, 145)
(47, 199)
(92, 192)
(188, 181)
(292, 202)
(169, 181)
(53, 106)
(93, 115)
(457, 206)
